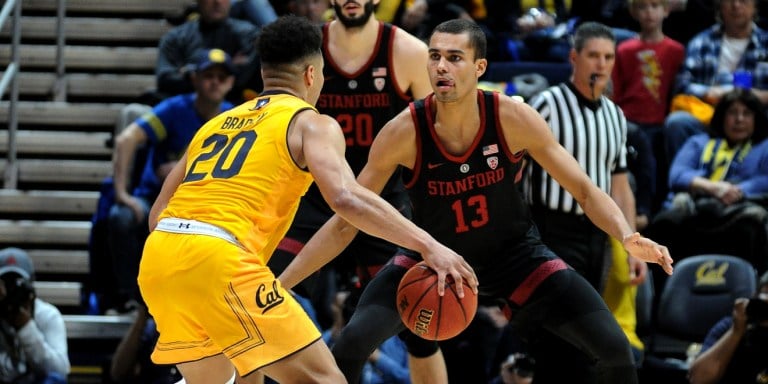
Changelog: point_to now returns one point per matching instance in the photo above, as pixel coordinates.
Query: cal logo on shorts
(267, 300)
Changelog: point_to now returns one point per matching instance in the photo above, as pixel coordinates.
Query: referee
(593, 129)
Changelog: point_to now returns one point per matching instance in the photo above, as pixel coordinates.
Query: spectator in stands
(736, 43)
(735, 349)
(602, 11)
(495, 17)
(643, 77)
(33, 346)
(729, 163)
(212, 29)
(318, 11)
(688, 18)
(131, 362)
(257, 12)
(167, 129)
(421, 16)
(530, 30)
(612, 13)
(716, 175)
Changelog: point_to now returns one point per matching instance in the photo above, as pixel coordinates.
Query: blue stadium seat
(700, 292)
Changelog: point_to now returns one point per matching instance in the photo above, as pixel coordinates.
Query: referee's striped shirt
(594, 132)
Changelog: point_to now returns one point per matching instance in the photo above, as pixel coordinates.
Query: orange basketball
(429, 315)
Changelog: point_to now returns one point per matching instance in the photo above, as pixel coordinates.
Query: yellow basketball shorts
(209, 296)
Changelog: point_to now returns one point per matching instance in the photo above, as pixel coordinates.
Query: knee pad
(418, 347)
(353, 343)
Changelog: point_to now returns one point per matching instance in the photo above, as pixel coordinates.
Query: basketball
(429, 315)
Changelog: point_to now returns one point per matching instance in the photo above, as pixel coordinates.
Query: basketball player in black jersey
(372, 71)
(463, 150)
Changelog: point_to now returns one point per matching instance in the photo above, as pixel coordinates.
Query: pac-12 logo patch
(493, 162)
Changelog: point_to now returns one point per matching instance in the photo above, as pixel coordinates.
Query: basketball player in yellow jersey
(226, 205)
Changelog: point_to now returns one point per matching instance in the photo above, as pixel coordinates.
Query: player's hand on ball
(427, 313)
(648, 250)
(447, 262)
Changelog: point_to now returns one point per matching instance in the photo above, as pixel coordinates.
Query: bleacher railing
(10, 76)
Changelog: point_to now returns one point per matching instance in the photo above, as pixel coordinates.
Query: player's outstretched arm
(323, 151)
(525, 129)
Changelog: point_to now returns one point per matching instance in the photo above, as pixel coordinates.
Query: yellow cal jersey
(240, 175)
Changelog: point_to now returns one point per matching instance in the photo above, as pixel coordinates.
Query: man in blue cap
(165, 132)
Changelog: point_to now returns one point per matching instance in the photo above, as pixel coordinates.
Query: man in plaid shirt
(735, 44)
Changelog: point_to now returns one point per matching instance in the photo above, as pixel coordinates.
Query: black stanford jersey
(362, 102)
(470, 202)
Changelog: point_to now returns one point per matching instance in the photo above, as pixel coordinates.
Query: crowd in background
(691, 79)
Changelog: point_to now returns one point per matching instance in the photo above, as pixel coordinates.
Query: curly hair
(746, 97)
(287, 40)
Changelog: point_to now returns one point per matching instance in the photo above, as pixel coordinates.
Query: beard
(354, 22)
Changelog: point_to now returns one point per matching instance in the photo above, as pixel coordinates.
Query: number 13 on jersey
(470, 213)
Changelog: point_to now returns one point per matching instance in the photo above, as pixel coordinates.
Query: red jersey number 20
(358, 129)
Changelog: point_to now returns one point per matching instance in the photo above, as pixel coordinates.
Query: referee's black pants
(577, 241)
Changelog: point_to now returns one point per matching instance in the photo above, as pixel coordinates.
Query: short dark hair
(717, 4)
(591, 30)
(746, 97)
(477, 38)
(289, 39)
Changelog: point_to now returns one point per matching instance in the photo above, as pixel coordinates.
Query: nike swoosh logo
(433, 166)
